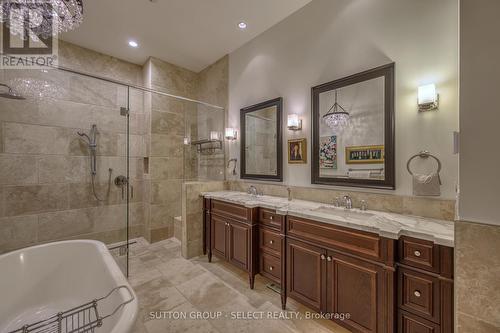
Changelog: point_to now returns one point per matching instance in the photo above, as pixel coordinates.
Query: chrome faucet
(252, 190)
(347, 202)
(289, 193)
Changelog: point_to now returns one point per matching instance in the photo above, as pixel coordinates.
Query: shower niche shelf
(207, 146)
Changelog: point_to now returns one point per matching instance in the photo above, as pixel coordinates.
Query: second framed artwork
(297, 151)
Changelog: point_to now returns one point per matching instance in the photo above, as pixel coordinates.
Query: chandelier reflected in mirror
(337, 117)
(38, 88)
(41, 18)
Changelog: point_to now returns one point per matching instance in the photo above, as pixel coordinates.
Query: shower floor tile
(194, 296)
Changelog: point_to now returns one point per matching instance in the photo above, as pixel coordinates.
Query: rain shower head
(10, 94)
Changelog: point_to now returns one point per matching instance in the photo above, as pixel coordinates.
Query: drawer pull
(271, 268)
(271, 242)
(417, 253)
(271, 217)
(322, 257)
(417, 293)
(329, 258)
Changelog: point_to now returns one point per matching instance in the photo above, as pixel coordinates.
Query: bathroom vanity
(388, 272)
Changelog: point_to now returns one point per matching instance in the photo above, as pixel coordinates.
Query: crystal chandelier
(43, 18)
(337, 117)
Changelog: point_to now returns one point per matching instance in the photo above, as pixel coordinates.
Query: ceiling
(189, 33)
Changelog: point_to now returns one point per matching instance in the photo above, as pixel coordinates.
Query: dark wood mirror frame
(278, 102)
(389, 182)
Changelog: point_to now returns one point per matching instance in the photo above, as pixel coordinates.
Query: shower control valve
(122, 181)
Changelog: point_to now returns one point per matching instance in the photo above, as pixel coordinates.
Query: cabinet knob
(417, 253)
(271, 217)
(271, 242)
(322, 257)
(227, 223)
(271, 268)
(329, 258)
(417, 293)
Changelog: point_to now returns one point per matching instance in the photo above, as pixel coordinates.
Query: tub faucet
(347, 202)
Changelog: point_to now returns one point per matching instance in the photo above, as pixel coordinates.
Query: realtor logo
(29, 34)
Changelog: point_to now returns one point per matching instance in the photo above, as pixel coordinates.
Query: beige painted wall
(327, 40)
(479, 111)
(477, 249)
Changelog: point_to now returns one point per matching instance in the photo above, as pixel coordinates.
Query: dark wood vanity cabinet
(230, 234)
(306, 274)
(339, 271)
(425, 287)
(378, 284)
(271, 252)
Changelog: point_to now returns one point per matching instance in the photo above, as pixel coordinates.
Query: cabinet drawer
(269, 218)
(419, 253)
(270, 241)
(408, 323)
(270, 267)
(419, 293)
(353, 241)
(229, 210)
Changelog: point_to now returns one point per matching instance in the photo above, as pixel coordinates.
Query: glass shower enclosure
(88, 157)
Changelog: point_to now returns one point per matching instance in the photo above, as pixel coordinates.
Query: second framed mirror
(261, 141)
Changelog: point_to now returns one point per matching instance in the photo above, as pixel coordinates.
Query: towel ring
(423, 154)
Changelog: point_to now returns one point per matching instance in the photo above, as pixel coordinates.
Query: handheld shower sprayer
(91, 140)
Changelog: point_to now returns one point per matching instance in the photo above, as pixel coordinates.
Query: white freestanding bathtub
(40, 281)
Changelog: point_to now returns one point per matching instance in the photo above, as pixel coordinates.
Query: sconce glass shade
(294, 123)
(428, 99)
(231, 133)
(214, 135)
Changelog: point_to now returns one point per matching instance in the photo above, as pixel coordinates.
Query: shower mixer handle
(122, 181)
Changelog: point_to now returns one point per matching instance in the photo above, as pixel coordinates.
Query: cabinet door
(239, 241)
(306, 273)
(218, 236)
(355, 287)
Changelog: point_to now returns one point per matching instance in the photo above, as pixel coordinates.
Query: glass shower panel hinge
(124, 111)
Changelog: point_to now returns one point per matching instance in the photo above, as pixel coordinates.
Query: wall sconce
(294, 123)
(215, 136)
(428, 98)
(231, 134)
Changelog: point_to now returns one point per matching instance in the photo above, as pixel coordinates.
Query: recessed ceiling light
(133, 43)
(242, 25)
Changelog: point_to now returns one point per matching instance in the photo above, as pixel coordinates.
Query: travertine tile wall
(192, 211)
(166, 165)
(213, 88)
(45, 192)
(477, 277)
(172, 162)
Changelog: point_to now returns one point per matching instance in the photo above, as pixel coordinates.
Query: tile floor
(171, 286)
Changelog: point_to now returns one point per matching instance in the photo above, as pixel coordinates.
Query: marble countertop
(385, 224)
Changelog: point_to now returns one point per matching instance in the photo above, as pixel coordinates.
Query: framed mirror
(353, 130)
(261, 141)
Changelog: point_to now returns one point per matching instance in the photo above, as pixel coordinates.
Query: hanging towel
(427, 185)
